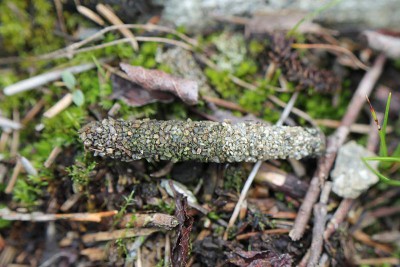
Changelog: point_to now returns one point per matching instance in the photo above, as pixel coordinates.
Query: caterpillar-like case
(205, 141)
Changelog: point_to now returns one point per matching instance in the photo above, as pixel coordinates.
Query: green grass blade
(382, 178)
(99, 67)
(385, 159)
(382, 133)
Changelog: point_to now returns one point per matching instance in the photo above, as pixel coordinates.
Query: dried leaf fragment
(259, 258)
(185, 89)
(181, 247)
(135, 95)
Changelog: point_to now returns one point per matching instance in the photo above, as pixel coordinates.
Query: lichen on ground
(199, 140)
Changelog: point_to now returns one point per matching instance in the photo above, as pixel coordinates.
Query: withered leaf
(135, 95)
(264, 258)
(156, 80)
(181, 247)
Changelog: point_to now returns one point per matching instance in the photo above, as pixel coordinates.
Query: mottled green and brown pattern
(205, 141)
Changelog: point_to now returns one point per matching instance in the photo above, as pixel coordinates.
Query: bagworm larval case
(205, 141)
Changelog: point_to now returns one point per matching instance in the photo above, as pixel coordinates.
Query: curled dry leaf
(135, 95)
(181, 247)
(388, 44)
(259, 258)
(155, 80)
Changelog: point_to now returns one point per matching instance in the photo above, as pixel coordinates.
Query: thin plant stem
(386, 159)
(382, 133)
(383, 178)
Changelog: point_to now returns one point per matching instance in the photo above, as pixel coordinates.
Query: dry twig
(52, 157)
(90, 14)
(6, 214)
(13, 180)
(159, 220)
(44, 78)
(62, 104)
(33, 112)
(112, 18)
(320, 212)
(366, 239)
(338, 217)
(335, 48)
(9, 124)
(116, 234)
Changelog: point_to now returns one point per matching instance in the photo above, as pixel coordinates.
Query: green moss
(177, 111)
(28, 189)
(146, 56)
(271, 115)
(256, 48)
(4, 224)
(25, 194)
(27, 26)
(62, 130)
(129, 200)
(213, 216)
(160, 263)
(246, 68)
(222, 83)
(253, 100)
(234, 177)
(80, 173)
(261, 221)
(166, 207)
(285, 97)
(15, 25)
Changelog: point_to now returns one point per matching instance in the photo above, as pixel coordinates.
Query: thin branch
(44, 78)
(6, 214)
(288, 108)
(336, 49)
(109, 14)
(69, 53)
(148, 27)
(61, 105)
(338, 217)
(116, 234)
(320, 212)
(14, 176)
(9, 124)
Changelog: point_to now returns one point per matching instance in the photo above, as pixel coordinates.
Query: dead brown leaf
(244, 258)
(135, 95)
(156, 80)
(181, 247)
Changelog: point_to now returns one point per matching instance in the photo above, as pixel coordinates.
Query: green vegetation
(383, 151)
(234, 178)
(24, 35)
(122, 211)
(80, 173)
